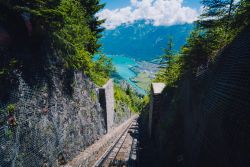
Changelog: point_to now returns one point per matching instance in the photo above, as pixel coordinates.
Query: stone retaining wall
(51, 127)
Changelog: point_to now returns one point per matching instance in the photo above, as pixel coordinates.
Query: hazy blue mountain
(143, 41)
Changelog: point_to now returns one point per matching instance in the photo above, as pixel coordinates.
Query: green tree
(171, 68)
(69, 28)
(242, 15)
(92, 7)
(102, 70)
(221, 21)
(166, 59)
(173, 73)
(129, 98)
(78, 39)
(217, 12)
(44, 12)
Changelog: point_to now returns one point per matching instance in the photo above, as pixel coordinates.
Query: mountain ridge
(142, 40)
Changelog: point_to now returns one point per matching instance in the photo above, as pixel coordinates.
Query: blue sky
(114, 4)
(157, 12)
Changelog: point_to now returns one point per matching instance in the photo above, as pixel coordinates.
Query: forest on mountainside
(217, 26)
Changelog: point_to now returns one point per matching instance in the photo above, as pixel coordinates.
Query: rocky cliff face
(47, 114)
(52, 126)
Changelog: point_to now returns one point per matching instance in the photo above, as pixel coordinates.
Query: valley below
(145, 73)
(138, 74)
(135, 47)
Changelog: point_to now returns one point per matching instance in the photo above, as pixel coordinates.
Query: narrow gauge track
(109, 157)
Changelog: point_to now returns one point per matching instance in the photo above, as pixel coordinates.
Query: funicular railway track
(112, 157)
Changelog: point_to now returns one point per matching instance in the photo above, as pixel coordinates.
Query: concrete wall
(220, 128)
(107, 101)
(155, 104)
(207, 120)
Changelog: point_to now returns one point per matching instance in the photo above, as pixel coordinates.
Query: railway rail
(112, 156)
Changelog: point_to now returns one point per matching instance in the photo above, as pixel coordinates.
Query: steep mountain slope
(143, 41)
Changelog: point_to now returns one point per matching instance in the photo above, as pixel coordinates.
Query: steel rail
(107, 153)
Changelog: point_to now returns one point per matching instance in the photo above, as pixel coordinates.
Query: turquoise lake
(123, 65)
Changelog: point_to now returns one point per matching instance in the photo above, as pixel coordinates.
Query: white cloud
(160, 12)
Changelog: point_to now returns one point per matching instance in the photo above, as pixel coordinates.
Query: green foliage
(74, 36)
(202, 46)
(93, 95)
(172, 73)
(166, 59)
(217, 27)
(92, 7)
(128, 97)
(242, 15)
(71, 29)
(171, 70)
(217, 12)
(102, 69)
(79, 37)
(44, 11)
(231, 15)
(9, 133)
(11, 108)
(145, 101)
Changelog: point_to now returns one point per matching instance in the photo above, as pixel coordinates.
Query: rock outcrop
(52, 127)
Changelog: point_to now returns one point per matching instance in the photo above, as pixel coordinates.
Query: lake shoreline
(136, 73)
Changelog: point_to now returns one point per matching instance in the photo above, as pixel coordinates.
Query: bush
(128, 97)
(11, 108)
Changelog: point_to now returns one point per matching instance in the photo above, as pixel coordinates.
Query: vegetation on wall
(128, 97)
(171, 66)
(219, 24)
(217, 27)
(69, 28)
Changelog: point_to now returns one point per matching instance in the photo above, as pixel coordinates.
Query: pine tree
(44, 12)
(92, 7)
(242, 16)
(166, 59)
(217, 12)
(69, 27)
